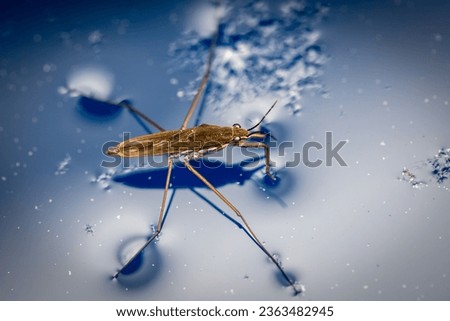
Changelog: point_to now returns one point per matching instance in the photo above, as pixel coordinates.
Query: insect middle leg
(160, 220)
(247, 226)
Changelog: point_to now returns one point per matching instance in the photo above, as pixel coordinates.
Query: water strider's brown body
(193, 142)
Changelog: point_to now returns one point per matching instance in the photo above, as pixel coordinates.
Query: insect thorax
(204, 138)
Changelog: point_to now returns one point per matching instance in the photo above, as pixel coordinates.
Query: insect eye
(236, 125)
(236, 139)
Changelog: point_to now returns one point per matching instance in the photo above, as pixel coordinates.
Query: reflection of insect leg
(160, 220)
(238, 213)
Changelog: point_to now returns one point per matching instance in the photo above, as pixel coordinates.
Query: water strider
(194, 143)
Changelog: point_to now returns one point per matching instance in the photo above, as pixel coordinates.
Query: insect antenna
(263, 116)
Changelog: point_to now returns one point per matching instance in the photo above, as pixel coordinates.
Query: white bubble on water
(63, 166)
(103, 180)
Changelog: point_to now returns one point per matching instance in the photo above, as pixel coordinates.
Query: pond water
(359, 140)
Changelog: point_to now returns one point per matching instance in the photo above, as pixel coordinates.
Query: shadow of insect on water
(218, 173)
(98, 109)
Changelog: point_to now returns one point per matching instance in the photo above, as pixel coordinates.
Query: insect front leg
(246, 144)
(203, 82)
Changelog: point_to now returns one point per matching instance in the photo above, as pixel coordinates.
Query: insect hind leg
(247, 226)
